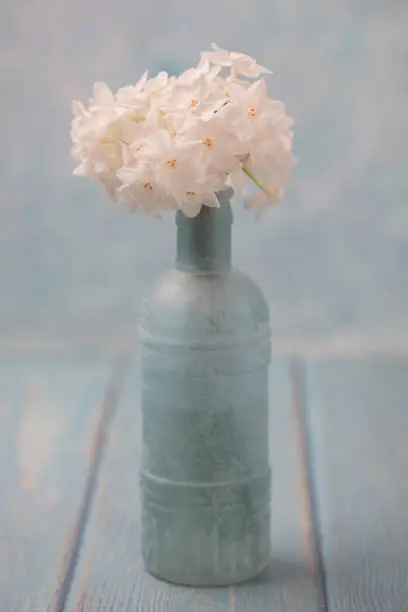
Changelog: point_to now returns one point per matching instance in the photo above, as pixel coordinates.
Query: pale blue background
(332, 258)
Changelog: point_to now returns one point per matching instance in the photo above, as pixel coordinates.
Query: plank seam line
(99, 442)
(297, 371)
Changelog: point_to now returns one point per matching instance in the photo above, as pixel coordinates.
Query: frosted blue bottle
(205, 479)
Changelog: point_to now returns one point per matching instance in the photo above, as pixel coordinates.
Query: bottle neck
(204, 241)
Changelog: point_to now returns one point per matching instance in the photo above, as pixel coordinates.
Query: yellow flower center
(251, 112)
(172, 163)
(194, 103)
(138, 117)
(174, 133)
(162, 113)
(208, 142)
(190, 193)
(140, 148)
(148, 186)
(105, 139)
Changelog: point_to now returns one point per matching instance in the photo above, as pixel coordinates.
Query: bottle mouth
(222, 212)
(225, 194)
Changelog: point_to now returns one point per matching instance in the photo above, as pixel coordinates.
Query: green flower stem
(255, 180)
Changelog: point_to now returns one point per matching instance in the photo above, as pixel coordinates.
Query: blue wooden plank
(48, 410)
(110, 575)
(358, 416)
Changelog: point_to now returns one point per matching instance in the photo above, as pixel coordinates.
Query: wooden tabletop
(69, 512)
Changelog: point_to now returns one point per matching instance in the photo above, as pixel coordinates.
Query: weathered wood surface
(69, 511)
(110, 576)
(358, 421)
(48, 419)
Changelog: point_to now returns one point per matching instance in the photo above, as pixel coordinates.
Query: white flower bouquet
(170, 143)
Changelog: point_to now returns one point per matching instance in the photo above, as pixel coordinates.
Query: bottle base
(207, 582)
(213, 534)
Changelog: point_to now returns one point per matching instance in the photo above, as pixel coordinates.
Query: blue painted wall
(332, 258)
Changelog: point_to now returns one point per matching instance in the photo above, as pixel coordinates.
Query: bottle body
(205, 477)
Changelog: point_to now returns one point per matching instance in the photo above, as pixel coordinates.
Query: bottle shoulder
(204, 304)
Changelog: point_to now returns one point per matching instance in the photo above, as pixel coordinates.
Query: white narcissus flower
(159, 90)
(97, 139)
(140, 189)
(125, 94)
(262, 199)
(198, 90)
(102, 96)
(135, 100)
(193, 201)
(271, 173)
(264, 131)
(240, 63)
(250, 110)
(173, 164)
(159, 82)
(219, 145)
(170, 143)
